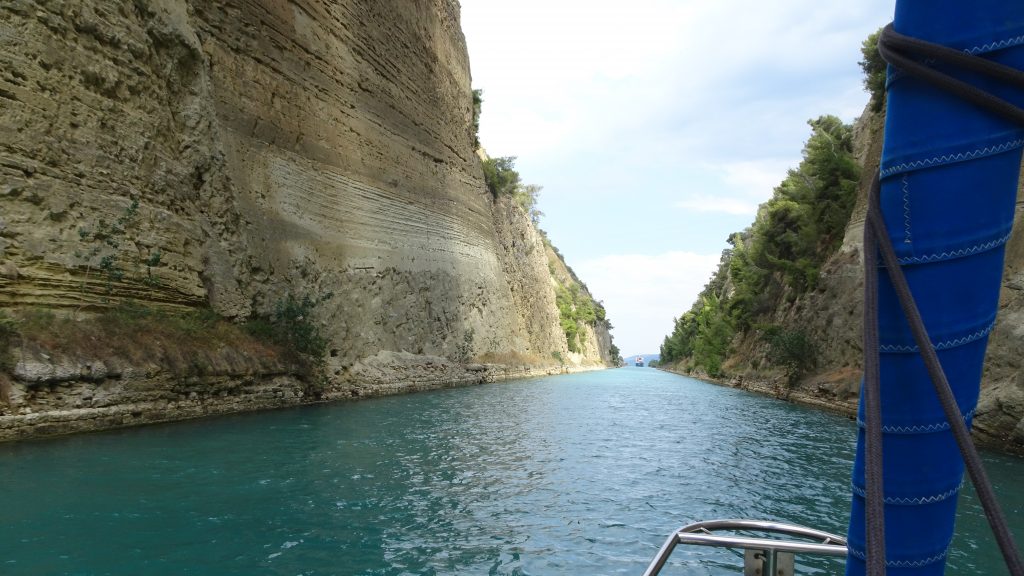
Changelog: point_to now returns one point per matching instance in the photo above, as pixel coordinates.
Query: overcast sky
(656, 127)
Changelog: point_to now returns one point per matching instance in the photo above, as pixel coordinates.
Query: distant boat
(639, 361)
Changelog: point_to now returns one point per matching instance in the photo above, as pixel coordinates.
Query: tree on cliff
(478, 101)
(500, 176)
(781, 254)
(874, 68)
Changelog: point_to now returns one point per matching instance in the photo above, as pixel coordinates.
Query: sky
(656, 127)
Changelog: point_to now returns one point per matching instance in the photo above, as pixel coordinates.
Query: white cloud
(642, 292)
(725, 205)
(746, 184)
(602, 71)
(755, 178)
(611, 103)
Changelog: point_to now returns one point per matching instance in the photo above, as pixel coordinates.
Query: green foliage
(557, 356)
(803, 223)
(616, 355)
(701, 335)
(526, 198)
(714, 333)
(8, 337)
(567, 316)
(465, 349)
(501, 176)
(874, 68)
(749, 296)
(179, 341)
(478, 100)
(291, 326)
(110, 237)
(782, 253)
(576, 309)
(791, 349)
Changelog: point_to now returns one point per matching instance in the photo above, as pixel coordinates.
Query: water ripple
(582, 474)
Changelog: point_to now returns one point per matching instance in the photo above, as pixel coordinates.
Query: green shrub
(792, 350)
(576, 309)
(500, 176)
(291, 325)
(874, 68)
(478, 100)
(616, 354)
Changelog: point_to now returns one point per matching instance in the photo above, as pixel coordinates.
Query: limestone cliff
(831, 316)
(184, 154)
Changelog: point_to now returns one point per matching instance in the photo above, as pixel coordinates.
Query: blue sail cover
(949, 183)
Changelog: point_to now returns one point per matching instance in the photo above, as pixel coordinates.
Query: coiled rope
(906, 54)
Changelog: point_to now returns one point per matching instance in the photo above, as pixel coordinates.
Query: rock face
(183, 153)
(831, 316)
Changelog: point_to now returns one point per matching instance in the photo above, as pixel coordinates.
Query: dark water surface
(582, 474)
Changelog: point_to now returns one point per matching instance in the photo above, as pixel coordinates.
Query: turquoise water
(580, 474)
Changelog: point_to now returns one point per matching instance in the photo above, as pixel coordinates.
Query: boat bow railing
(762, 556)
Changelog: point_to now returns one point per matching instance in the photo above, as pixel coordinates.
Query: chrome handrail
(700, 534)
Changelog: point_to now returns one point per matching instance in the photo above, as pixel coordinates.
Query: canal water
(579, 474)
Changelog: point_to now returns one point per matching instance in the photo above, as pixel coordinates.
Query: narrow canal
(580, 474)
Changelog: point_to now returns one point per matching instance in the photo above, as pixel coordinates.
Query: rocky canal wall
(233, 156)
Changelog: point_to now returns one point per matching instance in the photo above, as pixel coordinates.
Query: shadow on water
(580, 474)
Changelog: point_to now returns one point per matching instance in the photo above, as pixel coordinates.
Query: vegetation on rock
(8, 334)
(107, 239)
(131, 334)
(500, 176)
(790, 349)
(184, 343)
(478, 100)
(874, 68)
(290, 326)
(576, 308)
(779, 256)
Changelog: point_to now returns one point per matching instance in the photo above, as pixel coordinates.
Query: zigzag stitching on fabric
(950, 158)
(919, 428)
(956, 253)
(942, 345)
(906, 210)
(901, 563)
(998, 45)
(921, 500)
